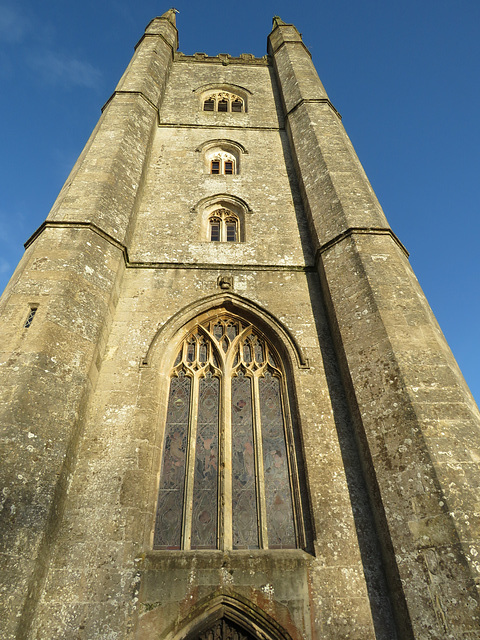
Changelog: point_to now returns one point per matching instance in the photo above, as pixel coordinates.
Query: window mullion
(189, 479)
(261, 500)
(225, 523)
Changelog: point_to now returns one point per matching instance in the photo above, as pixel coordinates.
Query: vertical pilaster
(417, 425)
(71, 271)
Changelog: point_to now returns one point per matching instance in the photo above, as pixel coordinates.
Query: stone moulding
(130, 264)
(217, 142)
(235, 608)
(352, 231)
(263, 319)
(224, 197)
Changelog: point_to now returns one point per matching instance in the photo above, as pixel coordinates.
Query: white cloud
(13, 26)
(55, 68)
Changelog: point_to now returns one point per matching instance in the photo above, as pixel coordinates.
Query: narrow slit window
(30, 317)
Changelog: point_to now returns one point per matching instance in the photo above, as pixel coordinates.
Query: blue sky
(403, 74)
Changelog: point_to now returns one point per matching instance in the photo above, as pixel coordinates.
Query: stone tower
(227, 409)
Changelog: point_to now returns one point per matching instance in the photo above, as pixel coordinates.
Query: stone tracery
(225, 448)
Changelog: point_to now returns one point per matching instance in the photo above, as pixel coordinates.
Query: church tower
(227, 410)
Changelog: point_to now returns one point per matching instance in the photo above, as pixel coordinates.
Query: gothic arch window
(223, 101)
(223, 226)
(228, 477)
(222, 163)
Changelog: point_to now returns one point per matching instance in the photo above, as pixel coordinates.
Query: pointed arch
(227, 198)
(230, 473)
(234, 608)
(216, 142)
(283, 339)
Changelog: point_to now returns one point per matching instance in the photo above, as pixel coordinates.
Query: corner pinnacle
(277, 21)
(170, 15)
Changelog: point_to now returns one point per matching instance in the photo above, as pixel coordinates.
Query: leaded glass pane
(258, 353)
(247, 353)
(215, 231)
(278, 496)
(202, 356)
(204, 515)
(244, 502)
(168, 526)
(225, 630)
(218, 330)
(232, 331)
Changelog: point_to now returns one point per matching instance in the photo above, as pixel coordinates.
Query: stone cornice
(137, 93)
(352, 231)
(313, 101)
(285, 42)
(90, 226)
(157, 35)
(177, 125)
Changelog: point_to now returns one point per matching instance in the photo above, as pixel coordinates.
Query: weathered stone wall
(417, 425)
(104, 573)
(385, 433)
(71, 271)
(104, 576)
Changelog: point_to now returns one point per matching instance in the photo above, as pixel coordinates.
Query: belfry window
(223, 164)
(223, 101)
(223, 226)
(228, 478)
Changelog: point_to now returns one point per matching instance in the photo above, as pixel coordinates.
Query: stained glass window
(227, 480)
(170, 496)
(244, 495)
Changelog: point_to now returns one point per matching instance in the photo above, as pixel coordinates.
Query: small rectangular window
(31, 315)
(215, 166)
(215, 232)
(228, 168)
(209, 105)
(223, 105)
(237, 106)
(231, 232)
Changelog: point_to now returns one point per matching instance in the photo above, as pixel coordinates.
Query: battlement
(223, 58)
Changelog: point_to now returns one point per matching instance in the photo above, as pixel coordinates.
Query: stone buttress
(71, 272)
(417, 425)
(130, 269)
